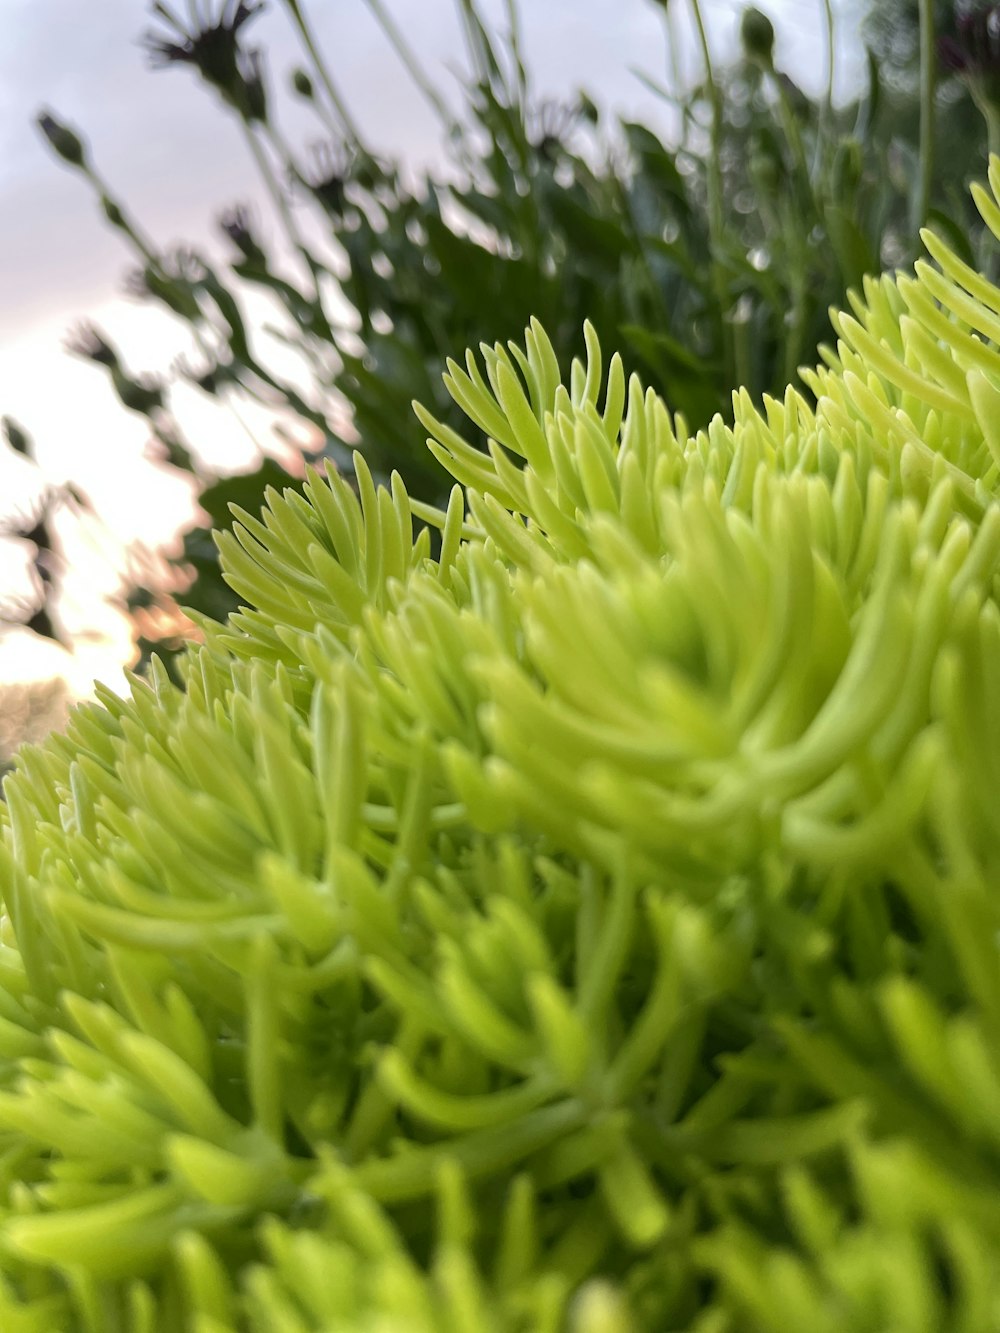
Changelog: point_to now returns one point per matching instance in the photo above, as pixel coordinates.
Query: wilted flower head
(550, 124)
(183, 268)
(209, 378)
(237, 223)
(142, 394)
(174, 280)
(211, 44)
(87, 341)
(186, 265)
(66, 142)
(332, 168)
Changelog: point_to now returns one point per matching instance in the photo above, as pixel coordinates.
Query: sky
(60, 262)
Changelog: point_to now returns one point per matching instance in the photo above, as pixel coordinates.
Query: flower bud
(113, 213)
(65, 141)
(302, 83)
(17, 437)
(757, 36)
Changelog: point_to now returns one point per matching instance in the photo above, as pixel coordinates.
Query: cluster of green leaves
(711, 260)
(588, 924)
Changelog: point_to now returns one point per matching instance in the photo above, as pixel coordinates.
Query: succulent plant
(586, 920)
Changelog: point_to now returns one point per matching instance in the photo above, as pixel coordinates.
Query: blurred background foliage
(709, 259)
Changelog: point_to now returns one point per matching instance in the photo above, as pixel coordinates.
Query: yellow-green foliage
(586, 921)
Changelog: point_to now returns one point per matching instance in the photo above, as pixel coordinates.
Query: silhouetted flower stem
(928, 72)
(826, 107)
(713, 174)
(412, 65)
(674, 72)
(120, 220)
(336, 100)
(280, 200)
(517, 46)
(793, 136)
(798, 281)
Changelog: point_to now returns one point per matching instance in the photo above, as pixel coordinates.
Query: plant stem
(336, 100)
(793, 137)
(714, 183)
(681, 90)
(281, 204)
(927, 89)
(406, 55)
(143, 245)
(826, 110)
(992, 118)
(715, 98)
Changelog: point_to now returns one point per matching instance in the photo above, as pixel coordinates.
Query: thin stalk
(655, 291)
(680, 92)
(927, 89)
(713, 172)
(517, 48)
(992, 118)
(142, 243)
(283, 150)
(793, 137)
(796, 334)
(485, 64)
(741, 351)
(715, 98)
(281, 204)
(826, 109)
(410, 62)
(336, 100)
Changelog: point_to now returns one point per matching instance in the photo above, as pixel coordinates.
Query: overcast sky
(59, 261)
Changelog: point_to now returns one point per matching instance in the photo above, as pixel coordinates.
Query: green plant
(710, 260)
(591, 925)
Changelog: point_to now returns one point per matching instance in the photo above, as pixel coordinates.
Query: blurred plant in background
(711, 259)
(32, 527)
(31, 709)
